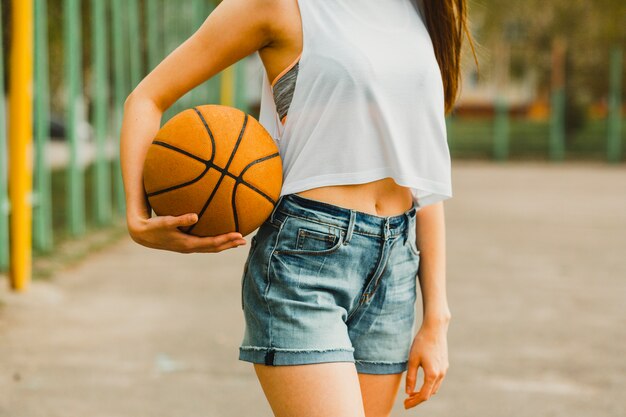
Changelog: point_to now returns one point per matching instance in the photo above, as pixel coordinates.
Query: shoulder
(269, 22)
(253, 18)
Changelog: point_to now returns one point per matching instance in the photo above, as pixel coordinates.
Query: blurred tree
(590, 28)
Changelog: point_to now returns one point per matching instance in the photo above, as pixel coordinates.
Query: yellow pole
(227, 86)
(21, 143)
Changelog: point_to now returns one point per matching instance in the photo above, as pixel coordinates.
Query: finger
(412, 401)
(229, 245)
(437, 384)
(218, 247)
(430, 379)
(411, 376)
(214, 243)
(183, 220)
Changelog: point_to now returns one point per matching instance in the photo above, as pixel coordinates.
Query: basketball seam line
(181, 151)
(219, 181)
(238, 179)
(176, 187)
(206, 127)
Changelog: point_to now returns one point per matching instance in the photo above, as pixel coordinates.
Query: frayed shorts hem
(279, 356)
(380, 368)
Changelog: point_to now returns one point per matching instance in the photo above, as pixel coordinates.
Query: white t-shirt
(368, 102)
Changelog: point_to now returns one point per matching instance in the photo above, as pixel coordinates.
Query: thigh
(312, 390)
(379, 393)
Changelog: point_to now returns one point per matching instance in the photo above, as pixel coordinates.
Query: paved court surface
(536, 285)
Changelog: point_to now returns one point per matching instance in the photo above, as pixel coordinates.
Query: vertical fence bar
(4, 201)
(120, 82)
(227, 86)
(152, 19)
(169, 44)
(240, 93)
(102, 194)
(21, 143)
(557, 121)
(502, 64)
(73, 75)
(449, 131)
(199, 93)
(136, 60)
(213, 85)
(168, 27)
(557, 105)
(183, 18)
(614, 139)
(501, 130)
(42, 214)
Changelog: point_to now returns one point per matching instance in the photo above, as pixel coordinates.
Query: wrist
(137, 208)
(436, 320)
(135, 220)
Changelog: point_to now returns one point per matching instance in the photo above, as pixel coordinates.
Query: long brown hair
(446, 21)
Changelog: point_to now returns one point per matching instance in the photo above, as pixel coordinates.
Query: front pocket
(300, 236)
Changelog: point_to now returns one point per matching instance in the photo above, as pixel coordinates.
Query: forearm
(141, 122)
(430, 239)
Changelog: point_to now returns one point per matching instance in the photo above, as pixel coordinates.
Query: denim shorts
(324, 283)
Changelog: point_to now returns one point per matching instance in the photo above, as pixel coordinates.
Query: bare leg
(312, 390)
(379, 393)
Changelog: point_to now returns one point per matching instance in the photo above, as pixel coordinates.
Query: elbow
(136, 97)
(128, 100)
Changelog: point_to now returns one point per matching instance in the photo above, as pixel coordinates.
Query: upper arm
(234, 30)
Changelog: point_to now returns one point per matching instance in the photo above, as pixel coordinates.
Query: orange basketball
(218, 162)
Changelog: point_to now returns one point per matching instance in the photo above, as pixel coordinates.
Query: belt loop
(386, 228)
(350, 227)
(407, 225)
(275, 208)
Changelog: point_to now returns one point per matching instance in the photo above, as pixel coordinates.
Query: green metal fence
(127, 38)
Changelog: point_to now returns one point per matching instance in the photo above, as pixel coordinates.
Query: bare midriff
(382, 197)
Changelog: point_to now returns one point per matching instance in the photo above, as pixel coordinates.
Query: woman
(356, 105)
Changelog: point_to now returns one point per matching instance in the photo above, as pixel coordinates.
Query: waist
(382, 197)
(342, 217)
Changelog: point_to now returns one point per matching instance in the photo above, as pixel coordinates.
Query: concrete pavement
(536, 286)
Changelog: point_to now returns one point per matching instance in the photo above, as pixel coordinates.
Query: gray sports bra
(283, 88)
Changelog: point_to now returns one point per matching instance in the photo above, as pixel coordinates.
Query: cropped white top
(368, 101)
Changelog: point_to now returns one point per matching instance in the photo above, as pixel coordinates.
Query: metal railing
(127, 39)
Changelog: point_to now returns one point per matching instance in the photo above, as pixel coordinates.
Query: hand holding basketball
(162, 232)
(218, 162)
